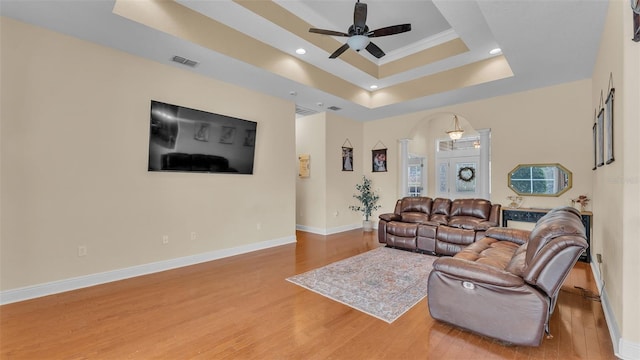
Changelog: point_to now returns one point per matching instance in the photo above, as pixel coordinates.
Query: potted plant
(368, 202)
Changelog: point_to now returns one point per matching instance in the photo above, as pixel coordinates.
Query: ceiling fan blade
(375, 50)
(360, 17)
(339, 52)
(389, 30)
(328, 32)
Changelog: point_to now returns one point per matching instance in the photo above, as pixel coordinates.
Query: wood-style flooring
(243, 308)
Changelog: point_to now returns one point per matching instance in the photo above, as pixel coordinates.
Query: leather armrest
(518, 236)
(485, 225)
(478, 273)
(390, 217)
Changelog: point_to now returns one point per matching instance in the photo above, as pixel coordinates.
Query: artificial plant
(368, 199)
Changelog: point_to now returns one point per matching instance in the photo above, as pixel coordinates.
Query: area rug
(384, 282)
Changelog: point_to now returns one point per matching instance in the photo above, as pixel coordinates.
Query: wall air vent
(334, 108)
(302, 111)
(184, 61)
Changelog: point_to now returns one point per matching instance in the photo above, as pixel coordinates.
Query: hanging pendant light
(457, 132)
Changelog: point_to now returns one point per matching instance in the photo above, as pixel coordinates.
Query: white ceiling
(545, 42)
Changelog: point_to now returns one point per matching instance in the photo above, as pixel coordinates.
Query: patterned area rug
(384, 283)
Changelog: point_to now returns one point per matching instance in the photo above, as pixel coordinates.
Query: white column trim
(404, 167)
(485, 168)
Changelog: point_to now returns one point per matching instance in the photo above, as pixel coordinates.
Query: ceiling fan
(359, 33)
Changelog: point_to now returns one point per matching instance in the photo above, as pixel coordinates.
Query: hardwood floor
(243, 308)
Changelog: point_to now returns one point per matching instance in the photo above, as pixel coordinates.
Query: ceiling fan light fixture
(358, 42)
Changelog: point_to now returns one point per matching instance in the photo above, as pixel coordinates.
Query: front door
(457, 171)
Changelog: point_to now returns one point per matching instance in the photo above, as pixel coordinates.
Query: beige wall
(631, 192)
(548, 125)
(341, 184)
(323, 199)
(616, 186)
(75, 132)
(311, 191)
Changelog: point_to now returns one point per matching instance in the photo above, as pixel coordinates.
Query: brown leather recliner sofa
(506, 284)
(438, 226)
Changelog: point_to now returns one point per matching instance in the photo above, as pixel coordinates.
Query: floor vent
(184, 61)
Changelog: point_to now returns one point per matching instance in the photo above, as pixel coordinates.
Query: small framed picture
(635, 5)
(601, 137)
(609, 125)
(347, 159)
(379, 160)
(595, 146)
(304, 165)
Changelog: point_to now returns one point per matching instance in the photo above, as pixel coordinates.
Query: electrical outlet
(599, 258)
(165, 239)
(82, 250)
(194, 235)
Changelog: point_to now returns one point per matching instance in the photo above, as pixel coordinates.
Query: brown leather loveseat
(439, 226)
(506, 284)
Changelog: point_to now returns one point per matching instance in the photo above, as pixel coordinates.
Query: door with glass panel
(457, 169)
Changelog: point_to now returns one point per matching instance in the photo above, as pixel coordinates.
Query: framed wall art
(609, 125)
(379, 160)
(600, 122)
(347, 159)
(635, 7)
(304, 165)
(595, 144)
(379, 157)
(347, 156)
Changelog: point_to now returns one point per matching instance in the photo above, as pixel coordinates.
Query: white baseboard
(55, 287)
(628, 350)
(622, 348)
(335, 230)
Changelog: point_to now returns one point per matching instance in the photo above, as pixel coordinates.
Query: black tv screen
(189, 140)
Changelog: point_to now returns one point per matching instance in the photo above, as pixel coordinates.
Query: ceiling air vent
(184, 61)
(334, 108)
(301, 111)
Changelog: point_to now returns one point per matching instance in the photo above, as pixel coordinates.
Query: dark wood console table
(533, 215)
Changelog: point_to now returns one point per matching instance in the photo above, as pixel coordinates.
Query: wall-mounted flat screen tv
(189, 140)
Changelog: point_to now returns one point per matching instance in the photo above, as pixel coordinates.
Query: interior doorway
(458, 170)
(446, 159)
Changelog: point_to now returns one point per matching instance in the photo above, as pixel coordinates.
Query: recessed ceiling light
(373, 87)
(301, 51)
(495, 51)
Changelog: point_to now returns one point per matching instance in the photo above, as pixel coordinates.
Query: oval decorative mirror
(540, 179)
